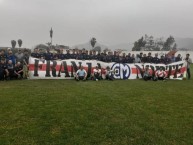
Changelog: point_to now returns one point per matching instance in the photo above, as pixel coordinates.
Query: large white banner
(66, 69)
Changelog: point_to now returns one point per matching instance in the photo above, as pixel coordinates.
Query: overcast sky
(76, 21)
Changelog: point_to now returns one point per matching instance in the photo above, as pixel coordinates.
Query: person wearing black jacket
(4, 73)
(155, 59)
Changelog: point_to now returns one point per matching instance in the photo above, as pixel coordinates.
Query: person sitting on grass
(18, 70)
(161, 74)
(81, 74)
(109, 74)
(147, 74)
(97, 74)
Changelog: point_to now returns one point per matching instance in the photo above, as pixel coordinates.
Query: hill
(186, 43)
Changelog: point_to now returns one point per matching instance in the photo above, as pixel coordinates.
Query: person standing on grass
(10, 67)
(11, 57)
(81, 74)
(4, 73)
(188, 61)
(19, 56)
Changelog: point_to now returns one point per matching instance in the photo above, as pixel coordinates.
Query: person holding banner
(81, 74)
(161, 74)
(189, 61)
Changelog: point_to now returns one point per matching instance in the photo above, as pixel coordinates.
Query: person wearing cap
(81, 74)
(4, 73)
(97, 74)
(188, 62)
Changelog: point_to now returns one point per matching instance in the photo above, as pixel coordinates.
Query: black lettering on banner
(54, 68)
(163, 68)
(99, 65)
(176, 70)
(166, 68)
(66, 69)
(170, 71)
(74, 66)
(47, 69)
(139, 70)
(59, 73)
(89, 69)
(36, 67)
(180, 65)
(157, 67)
(72, 70)
(80, 64)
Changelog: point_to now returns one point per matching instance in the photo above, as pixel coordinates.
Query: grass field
(59, 112)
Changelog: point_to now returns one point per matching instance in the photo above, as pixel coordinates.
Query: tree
(19, 42)
(169, 42)
(13, 43)
(138, 45)
(93, 42)
(174, 47)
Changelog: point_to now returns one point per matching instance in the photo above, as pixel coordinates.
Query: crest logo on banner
(122, 71)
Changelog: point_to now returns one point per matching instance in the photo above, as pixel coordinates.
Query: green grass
(60, 112)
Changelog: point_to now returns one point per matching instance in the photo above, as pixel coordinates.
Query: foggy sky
(76, 21)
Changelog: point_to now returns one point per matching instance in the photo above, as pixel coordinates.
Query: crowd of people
(105, 56)
(15, 65)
